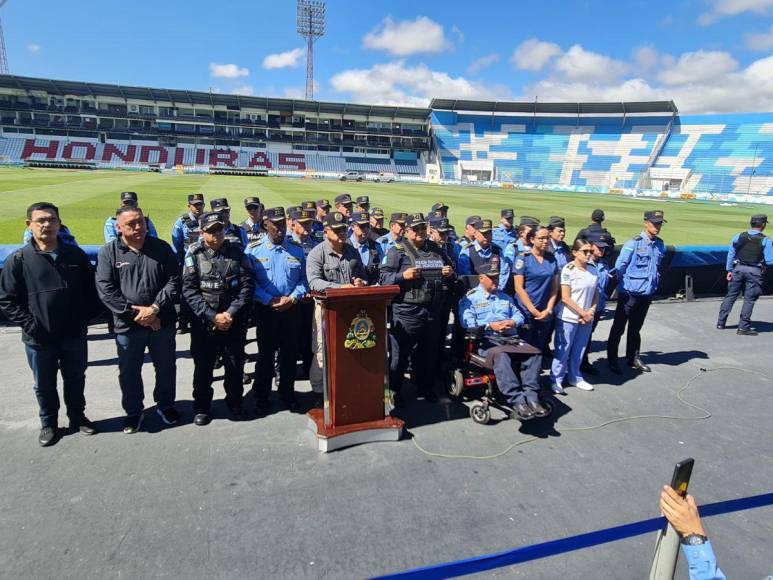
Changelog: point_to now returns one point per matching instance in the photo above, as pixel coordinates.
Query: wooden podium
(356, 373)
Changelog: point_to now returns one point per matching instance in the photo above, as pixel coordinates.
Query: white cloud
(244, 90)
(458, 32)
(578, 64)
(395, 83)
(407, 37)
(693, 67)
(760, 41)
(483, 62)
(533, 54)
(722, 8)
(289, 58)
(227, 71)
(645, 58)
(33, 47)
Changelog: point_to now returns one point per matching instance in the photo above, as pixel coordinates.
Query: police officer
(480, 252)
(363, 203)
(526, 227)
(233, 233)
(344, 205)
(505, 234)
(302, 236)
(594, 228)
(218, 285)
(638, 272)
(484, 307)
(438, 233)
(280, 286)
(749, 253)
(396, 232)
(557, 229)
(370, 252)
(322, 207)
(469, 234)
(253, 225)
(424, 273)
(377, 228)
(439, 230)
(441, 207)
(128, 199)
(600, 243)
(185, 232)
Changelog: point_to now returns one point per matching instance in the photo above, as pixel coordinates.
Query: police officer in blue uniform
(128, 199)
(218, 285)
(487, 308)
(557, 229)
(424, 273)
(233, 233)
(396, 231)
(370, 252)
(280, 276)
(186, 231)
(749, 253)
(377, 228)
(601, 243)
(253, 225)
(505, 233)
(638, 272)
(470, 228)
(480, 252)
(322, 207)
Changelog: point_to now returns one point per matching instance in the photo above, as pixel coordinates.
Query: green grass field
(86, 198)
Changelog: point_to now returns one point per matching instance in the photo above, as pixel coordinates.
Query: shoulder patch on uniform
(255, 244)
(399, 247)
(570, 266)
(471, 292)
(519, 263)
(637, 238)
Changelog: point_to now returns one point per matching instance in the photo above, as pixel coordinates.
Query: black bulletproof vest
(429, 287)
(748, 249)
(218, 275)
(372, 268)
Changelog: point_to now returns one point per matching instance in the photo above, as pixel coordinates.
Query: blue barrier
(572, 543)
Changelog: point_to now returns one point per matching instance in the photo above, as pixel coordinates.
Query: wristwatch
(694, 540)
(155, 308)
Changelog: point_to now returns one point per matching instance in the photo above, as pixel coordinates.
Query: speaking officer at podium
(218, 285)
(638, 272)
(280, 284)
(424, 273)
(749, 253)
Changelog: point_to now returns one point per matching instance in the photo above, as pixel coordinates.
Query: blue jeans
(71, 357)
(131, 355)
(571, 342)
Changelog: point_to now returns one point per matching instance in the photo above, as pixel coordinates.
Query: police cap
(485, 226)
(473, 220)
(490, 268)
(292, 208)
(415, 219)
(398, 217)
(758, 220)
(439, 223)
(308, 205)
(529, 221)
(439, 206)
(363, 200)
(360, 218)
(252, 202)
(128, 198)
(323, 203)
(275, 214)
(210, 219)
(219, 204)
(507, 214)
(377, 213)
(598, 239)
(343, 199)
(556, 222)
(335, 220)
(301, 215)
(195, 198)
(655, 216)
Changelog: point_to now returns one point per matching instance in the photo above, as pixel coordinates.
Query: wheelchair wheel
(480, 414)
(457, 385)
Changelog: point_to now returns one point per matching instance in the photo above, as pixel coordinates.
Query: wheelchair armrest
(474, 333)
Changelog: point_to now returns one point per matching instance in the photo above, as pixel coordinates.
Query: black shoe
(169, 416)
(639, 365)
(261, 409)
(721, 326)
(48, 436)
(614, 367)
(539, 410)
(201, 419)
(83, 425)
(747, 332)
(428, 396)
(132, 424)
(523, 411)
(237, 413)
(589, 369)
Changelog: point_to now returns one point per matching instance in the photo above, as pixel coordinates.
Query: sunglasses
(586, 251)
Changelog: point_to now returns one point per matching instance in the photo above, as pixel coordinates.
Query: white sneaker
(584, 385)
(557, 389)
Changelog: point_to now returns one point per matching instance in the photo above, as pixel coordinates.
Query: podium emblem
(362, 333)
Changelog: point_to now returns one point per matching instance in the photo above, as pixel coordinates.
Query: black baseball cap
(415, 219)
(759, 220)
(439, 223)
(343, 199)
(399, 217)
(507, 213)
(335, 220)
(128, 198)
(274, 214)
(195, 198)
(655, 216)
(529, 221)
(219, 204)
(252, 201)
(209, 219)
(597, 215)
(323, 203)
(360, 218)
(473, 221)
(598, 239)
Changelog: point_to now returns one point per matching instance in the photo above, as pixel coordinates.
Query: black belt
(749, 265)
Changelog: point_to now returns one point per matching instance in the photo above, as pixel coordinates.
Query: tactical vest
(748, 249)
(218, 274)
(478, 261)
(372, 269)
(430, 287)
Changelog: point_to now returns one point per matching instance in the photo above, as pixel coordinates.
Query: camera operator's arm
(682, 514)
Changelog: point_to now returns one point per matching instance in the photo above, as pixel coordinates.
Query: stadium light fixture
(311, 26)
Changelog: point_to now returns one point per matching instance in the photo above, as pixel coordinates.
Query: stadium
(571, 495)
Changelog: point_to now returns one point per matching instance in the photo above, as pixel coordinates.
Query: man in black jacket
(47, 287)
(138, 279)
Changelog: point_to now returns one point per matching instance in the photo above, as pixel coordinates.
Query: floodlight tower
(311, 26)
(3, 57)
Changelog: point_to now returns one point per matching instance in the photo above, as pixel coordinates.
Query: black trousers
(277, 332)
(206, 345)
(631, 310)
(307, 320)
(414, 339)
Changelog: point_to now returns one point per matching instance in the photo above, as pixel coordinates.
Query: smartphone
(681, 477)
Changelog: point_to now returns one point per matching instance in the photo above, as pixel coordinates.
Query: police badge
(362, 333)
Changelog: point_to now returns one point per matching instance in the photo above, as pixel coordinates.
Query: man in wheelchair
(494, 317)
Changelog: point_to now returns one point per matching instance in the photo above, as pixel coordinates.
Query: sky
(709, 56)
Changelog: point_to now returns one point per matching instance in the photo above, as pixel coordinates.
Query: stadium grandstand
(639, 148)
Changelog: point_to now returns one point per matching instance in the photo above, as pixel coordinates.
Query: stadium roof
(85, 89)
(534, 108)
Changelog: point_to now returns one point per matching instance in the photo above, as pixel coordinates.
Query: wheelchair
(474, 379)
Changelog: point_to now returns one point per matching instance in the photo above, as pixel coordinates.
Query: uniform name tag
(429, 264)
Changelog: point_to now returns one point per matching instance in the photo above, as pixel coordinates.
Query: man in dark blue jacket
(47, 287)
